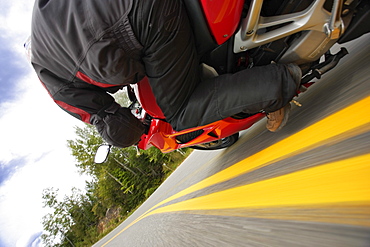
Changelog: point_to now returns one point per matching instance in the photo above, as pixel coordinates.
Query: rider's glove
(118, 126)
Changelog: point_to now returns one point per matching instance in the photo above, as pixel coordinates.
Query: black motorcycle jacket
(85, 49)
(90, 52)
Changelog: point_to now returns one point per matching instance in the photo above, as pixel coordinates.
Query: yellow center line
(345, 181)
(356, 214)
(334, 125)
(352, 117)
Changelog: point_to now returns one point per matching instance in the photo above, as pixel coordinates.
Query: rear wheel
(218, 144)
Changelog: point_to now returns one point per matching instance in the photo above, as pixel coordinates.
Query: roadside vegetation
(115, 190)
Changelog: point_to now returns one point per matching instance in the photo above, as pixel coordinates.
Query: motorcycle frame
(315, 18)
(321, 30)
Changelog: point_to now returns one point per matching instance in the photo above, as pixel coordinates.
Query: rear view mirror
(102, 153)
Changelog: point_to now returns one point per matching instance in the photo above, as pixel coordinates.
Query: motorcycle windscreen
(223, 17)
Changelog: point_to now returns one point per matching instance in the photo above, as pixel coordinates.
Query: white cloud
(33, 131)
(21, 203)
(15, 17)
(30, 240)
(32, 122)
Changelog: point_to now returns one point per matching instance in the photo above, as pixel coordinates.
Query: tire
(218, 144)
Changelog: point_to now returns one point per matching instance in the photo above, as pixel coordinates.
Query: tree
(125, 177)
(123, 182)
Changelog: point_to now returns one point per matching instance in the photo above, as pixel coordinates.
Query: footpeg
(330, 62)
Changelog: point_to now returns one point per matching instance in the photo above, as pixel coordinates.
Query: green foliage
(72, 214)
(123, 182)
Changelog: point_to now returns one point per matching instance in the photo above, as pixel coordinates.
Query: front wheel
(218, 144)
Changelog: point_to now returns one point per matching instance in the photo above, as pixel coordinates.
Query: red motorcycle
(236, 34)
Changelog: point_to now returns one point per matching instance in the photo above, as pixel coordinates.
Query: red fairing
(223, 17)
(162, 136)
(146, 98)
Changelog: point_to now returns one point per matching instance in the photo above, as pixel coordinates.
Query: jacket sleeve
(76, 97)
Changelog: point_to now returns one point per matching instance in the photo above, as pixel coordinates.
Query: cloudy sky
(33, 135)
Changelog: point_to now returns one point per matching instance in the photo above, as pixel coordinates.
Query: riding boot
(277, 120)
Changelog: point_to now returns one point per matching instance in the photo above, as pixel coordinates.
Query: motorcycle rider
(84, 50)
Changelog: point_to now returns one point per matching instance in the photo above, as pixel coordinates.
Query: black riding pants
(172, 66)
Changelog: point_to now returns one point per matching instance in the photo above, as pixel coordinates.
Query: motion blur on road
(307, 185)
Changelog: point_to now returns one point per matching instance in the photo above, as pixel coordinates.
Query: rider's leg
(265, 88)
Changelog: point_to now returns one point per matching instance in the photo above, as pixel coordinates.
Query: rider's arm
(93, 105)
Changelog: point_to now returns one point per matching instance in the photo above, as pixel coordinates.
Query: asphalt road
(307, 185)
